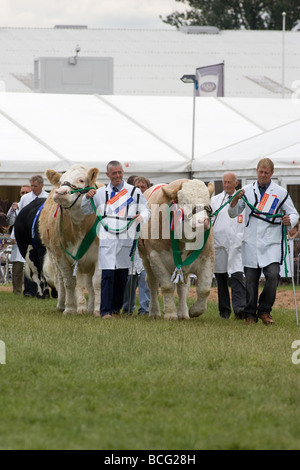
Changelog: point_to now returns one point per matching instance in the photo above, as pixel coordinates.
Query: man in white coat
(16, 258)
(262, 249)
(228, 237)
(122, 207)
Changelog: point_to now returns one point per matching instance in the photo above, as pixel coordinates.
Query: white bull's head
(76, 178)
(191, 198)
(194, 199)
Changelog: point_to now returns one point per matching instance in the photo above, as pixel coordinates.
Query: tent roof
(151, 62)
(151, 136)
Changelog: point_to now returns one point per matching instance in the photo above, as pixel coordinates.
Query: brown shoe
(249, 321)
(106, 317)
(266, 318)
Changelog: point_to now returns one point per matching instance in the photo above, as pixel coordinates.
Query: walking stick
(293, 282)
(132, 253)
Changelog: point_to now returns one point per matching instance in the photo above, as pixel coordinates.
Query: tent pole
(193, 131)
(283, 54)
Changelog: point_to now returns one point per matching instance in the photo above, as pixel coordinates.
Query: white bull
(190, 199)
(63, 227)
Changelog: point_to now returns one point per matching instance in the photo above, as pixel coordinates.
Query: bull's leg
(52, 269)
(182, 310)
(80, 292)
(204, 280)
(91, 293)
(66, 272)
(97, 291)
(167, 291)
(70, 287)
(61, 299)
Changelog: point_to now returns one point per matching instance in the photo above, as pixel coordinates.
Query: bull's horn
(211, 188)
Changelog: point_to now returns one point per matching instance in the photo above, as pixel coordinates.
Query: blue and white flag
(210, 80)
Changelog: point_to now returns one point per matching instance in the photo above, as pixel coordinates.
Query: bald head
(230, 182)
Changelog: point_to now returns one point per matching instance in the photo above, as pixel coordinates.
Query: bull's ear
(53, 177)
(92, 175)
(211, 189)
(170, 191)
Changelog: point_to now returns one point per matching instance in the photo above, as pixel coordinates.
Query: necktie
(115, 190)
(262, 189)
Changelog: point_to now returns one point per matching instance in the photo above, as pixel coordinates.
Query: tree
(236, 14)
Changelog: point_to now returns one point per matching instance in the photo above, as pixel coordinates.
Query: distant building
(151, 62)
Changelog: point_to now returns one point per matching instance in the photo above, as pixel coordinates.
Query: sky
(93, 13)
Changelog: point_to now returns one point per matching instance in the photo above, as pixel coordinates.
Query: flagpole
(283, 54)
(192, 79)
(194, 121)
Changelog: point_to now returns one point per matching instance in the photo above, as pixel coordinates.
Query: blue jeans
(267, 297)
(144, 293)
(112, 290)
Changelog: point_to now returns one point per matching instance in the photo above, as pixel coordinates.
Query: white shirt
(114, 250)
(228, 237)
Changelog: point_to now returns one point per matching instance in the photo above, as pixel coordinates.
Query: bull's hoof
(195, 314)
(69, 312)
(183, 317)
(155, 316)
(81, 311)
(171, 316)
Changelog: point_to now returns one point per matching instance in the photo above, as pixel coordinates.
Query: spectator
(228, 237)
(142, 183)
(131, 179)
(16, 258)
(137, 276)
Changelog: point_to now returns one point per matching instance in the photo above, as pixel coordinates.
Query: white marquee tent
(151, 135)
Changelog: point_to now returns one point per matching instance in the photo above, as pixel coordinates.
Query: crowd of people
(248, 239)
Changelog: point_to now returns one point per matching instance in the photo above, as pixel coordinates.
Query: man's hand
(91, 194)
(138, 219)
(286, 220)
(236, 199)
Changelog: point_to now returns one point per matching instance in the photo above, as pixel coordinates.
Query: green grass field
(136, 383)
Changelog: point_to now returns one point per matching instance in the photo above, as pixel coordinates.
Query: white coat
(262, 243)
(114, 250)
(228, 237)
(29, 197)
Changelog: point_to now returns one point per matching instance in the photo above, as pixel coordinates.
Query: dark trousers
(30, 287)
(267, 297)
(112, 290)
(238, 293)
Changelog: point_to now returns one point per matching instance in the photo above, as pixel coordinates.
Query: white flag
(210, 80)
